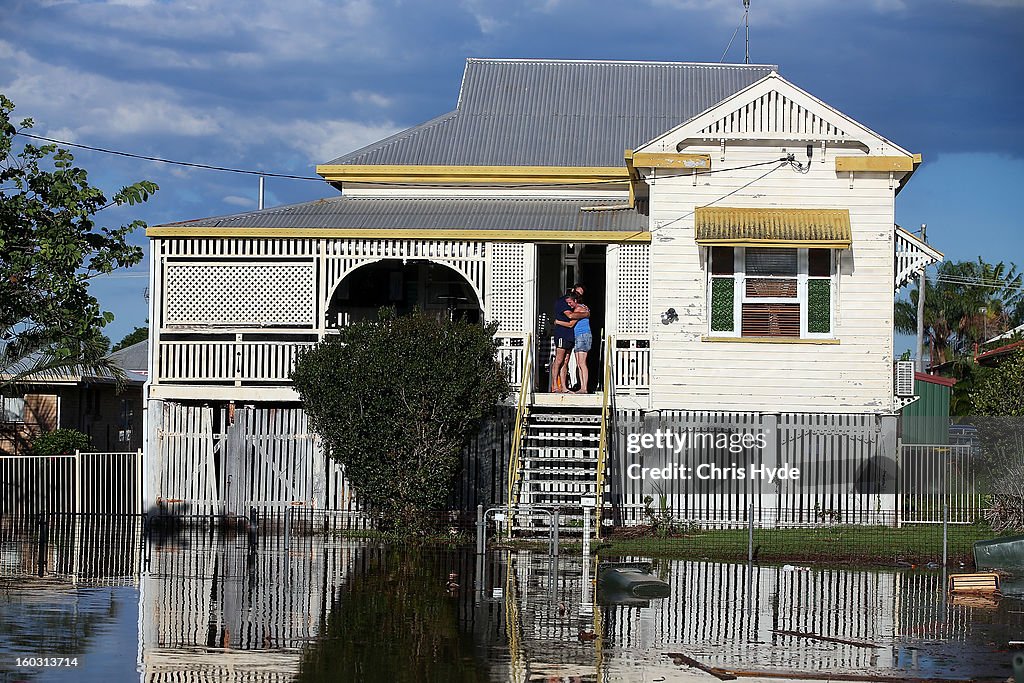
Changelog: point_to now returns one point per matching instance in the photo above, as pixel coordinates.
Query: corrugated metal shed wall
(926, 420)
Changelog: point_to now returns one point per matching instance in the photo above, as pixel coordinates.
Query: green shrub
(61, 442)
(396, 400)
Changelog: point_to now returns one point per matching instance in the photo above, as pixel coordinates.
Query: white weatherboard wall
(854, 376)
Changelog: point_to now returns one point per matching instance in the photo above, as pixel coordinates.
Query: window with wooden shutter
(770, 292)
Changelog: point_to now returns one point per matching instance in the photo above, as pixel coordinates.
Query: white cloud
(372, 98)
(324, 140)
(485, 20)
(244, 202)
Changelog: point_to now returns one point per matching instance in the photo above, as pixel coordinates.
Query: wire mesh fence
(888, 541)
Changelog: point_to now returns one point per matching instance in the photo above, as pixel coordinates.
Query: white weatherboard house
(736, 236)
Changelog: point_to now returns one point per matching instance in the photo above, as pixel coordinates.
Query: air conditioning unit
(904, 378)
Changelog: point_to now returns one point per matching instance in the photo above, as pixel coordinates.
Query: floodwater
(200, 606)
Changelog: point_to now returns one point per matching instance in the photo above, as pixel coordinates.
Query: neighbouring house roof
(134, 360)
(536, 112)
(1006, 335)
(996, 356)
(934, 379)
(392, 214)
(773, 227)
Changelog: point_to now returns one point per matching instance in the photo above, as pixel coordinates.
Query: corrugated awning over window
(823, 228)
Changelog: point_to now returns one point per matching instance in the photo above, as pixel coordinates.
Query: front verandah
(512, 283)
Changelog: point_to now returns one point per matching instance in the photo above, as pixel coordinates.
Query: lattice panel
(506, 292)
(223, 295)
(634, 290)
(773, 112)
(345, 255)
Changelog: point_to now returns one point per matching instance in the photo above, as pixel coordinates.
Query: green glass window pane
(819, 306)
(722, 304)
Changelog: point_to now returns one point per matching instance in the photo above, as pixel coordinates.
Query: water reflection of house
(90, 403)
(741, 256)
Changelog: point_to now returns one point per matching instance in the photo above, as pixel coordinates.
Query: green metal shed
(926, 420)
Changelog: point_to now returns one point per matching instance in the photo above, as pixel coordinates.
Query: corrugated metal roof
(559, 113)
(440, 213)
(824, 227)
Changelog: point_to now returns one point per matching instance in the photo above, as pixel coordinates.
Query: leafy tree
(396, 400)
(999, 395)
(1000, 392)
(966, 302)
(134, 337)
(50, 249)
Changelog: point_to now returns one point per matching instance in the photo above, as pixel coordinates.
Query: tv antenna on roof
(746, 24)
(746, 16)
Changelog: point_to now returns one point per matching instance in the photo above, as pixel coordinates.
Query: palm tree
(27, 360)
(966, 303)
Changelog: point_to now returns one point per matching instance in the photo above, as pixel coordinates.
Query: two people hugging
(572, 335)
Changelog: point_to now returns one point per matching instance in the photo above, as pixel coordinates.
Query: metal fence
(935, 479)
(82, 482)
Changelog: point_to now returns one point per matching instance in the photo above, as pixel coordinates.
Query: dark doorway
(560, 266)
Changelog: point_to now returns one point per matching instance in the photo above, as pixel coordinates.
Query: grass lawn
(917, 544)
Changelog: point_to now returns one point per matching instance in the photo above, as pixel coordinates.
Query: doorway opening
(559, 267)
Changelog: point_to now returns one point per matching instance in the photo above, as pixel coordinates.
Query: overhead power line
(189, 164)
(268, 174)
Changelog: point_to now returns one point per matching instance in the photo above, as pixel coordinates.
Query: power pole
(920, 308)
(746, 23)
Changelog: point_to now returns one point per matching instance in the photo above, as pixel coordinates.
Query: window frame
(4, 412)
(739, 281)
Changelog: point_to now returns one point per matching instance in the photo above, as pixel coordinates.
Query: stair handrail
(517, 432)
(602, 449)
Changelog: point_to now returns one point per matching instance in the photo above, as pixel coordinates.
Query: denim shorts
(584, 341)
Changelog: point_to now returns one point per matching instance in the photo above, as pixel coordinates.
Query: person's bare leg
(581, 365)
(563, 374)
(556, 369)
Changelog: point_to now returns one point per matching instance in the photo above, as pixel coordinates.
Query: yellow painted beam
(875, 163)
(603, 236)
(701, 162)
(555, 175)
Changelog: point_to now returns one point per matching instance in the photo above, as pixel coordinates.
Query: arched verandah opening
(403, 284)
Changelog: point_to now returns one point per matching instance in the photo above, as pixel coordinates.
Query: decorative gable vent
(904, 378)
(773, 113)
(912, 257)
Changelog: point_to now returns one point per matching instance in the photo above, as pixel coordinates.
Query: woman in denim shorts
(584, 341)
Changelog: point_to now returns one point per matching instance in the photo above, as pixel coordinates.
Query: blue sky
(282, 86)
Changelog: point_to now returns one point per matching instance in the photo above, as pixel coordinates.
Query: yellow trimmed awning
(822, 228)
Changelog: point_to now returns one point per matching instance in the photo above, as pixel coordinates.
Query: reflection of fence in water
(208, 590)
(728, 614)
(83, 548)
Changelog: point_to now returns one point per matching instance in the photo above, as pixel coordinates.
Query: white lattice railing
(632, 365)
(512, 357)
(228, 361)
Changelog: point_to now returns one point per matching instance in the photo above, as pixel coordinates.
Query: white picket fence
(107, 483)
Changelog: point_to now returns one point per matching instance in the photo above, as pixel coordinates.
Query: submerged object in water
(1000, 553)
(631, 579)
